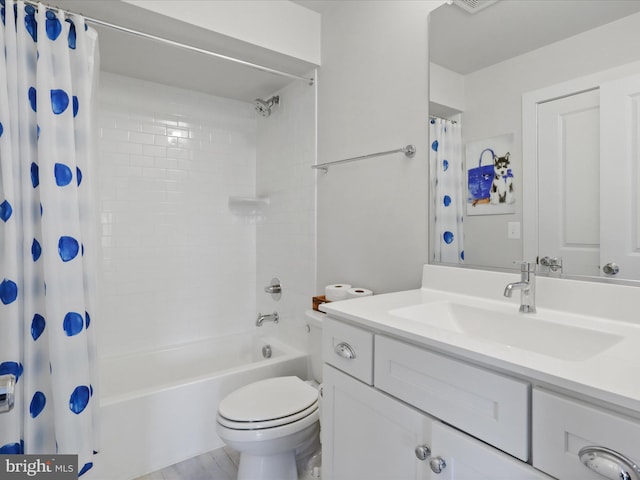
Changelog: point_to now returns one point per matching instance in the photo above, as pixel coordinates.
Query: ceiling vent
(473, 6)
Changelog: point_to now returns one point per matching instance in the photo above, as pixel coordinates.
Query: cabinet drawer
(487, 405)
(348, 348)
(562, 426)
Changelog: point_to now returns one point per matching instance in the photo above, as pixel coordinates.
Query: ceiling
(319, 6)
(151, 60)
(507, 28)
(465, 42)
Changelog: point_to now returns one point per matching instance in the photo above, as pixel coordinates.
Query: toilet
(275, 423)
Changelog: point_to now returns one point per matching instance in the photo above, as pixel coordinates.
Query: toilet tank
(314, 321)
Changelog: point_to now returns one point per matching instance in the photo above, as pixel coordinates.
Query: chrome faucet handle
(552, 263)
(525, 266)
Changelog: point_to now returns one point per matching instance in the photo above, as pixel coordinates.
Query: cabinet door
(369, 435)
(468, 459)
(568, 181)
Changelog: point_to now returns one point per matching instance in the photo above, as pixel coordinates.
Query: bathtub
(158, 408)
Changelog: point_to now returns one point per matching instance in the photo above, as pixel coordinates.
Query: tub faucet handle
(274, 288)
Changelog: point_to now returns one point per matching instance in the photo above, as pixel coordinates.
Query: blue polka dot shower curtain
(447, 184)
(47, 231)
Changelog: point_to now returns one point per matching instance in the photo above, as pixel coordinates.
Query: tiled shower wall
(177, 265)
(286, 245)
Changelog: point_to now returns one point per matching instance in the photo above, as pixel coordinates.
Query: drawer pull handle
(7, 392)
(609, 463)
(345, 350)
(422, 452)
(437, 464)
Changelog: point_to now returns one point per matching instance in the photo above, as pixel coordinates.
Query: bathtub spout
(271, 317)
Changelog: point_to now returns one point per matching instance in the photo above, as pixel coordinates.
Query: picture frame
(490, 180)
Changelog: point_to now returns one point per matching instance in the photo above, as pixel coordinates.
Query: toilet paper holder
(7, 392)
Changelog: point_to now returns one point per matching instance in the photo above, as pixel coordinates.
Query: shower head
(263, 107)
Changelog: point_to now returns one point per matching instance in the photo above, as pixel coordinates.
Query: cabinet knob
(609, 463)
(437, 464)
(345, 350)
(422, 452)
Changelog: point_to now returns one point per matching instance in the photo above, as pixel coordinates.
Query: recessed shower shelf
(248, 206)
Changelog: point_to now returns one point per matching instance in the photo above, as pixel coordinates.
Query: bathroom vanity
(431, 384)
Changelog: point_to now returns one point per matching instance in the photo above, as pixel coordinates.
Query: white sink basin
(523, 331)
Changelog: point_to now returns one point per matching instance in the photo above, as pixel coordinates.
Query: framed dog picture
(490, 182)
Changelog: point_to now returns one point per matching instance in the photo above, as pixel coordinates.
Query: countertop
(611, 376)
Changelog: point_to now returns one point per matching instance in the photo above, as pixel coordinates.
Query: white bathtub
(159, 407)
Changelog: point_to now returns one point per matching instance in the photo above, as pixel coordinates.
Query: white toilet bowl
(269, 422)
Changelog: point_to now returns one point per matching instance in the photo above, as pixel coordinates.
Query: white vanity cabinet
(368, 434)
(493, 393)
(485, 404)
(392, 428)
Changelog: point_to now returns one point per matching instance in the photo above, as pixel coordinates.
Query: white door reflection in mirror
(588, 162)
(620, 175)
(568, 181)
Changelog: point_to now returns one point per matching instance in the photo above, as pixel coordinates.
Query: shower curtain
(47, 232)
(447, 184)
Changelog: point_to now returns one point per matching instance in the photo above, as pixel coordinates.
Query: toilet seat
(268, 403)
(268, 423)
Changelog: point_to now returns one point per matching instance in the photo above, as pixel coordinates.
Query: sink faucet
(527, 287)
(270, 317)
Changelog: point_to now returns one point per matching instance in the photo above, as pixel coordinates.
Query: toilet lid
(268, 399)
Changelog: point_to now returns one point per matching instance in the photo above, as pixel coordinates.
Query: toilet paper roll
(337, 291)
(358, 292)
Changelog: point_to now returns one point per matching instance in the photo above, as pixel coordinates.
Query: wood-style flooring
(221, 464)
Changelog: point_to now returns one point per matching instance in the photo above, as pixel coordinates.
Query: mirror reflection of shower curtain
(447, 185)
(48, 246)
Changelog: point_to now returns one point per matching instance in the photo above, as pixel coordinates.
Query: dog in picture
(502, 186)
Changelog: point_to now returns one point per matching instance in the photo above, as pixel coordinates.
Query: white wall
(286, 247)
(446, 91)
(373, 96)
(179, 262)
(278, 25)
(372, 215)
(177, 265)
(493, 102)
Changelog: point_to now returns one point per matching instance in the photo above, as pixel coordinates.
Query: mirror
(492, 71)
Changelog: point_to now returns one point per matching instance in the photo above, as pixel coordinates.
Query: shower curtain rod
(255, 66)
(442, 118)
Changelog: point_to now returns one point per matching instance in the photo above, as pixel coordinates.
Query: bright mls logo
(51, 467)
